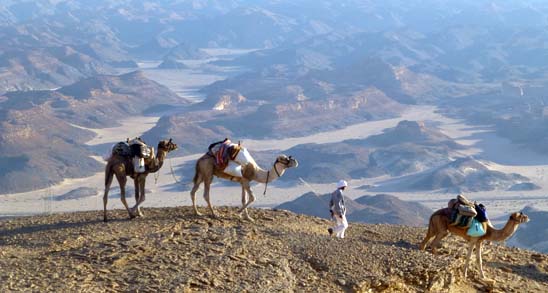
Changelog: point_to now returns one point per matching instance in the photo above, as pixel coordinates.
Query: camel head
(167, 145)
(519, 217)
(288, 162)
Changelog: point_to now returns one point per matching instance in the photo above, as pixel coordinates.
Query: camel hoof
(196, 212)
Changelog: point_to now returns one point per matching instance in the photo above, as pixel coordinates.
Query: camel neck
(274, 173)
(506, 232)
(158, 161)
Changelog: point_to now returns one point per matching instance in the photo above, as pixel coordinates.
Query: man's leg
(339, 227)
(344, 225)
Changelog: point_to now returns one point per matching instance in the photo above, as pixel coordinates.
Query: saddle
(223, 152)
(138, 148)
(462, 213)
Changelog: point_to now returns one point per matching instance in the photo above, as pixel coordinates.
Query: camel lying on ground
(206, 170)
(122, 166)
(439, 227)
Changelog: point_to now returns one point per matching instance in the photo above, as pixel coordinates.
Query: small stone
(341, 282)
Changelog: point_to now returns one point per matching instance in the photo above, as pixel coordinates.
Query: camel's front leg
(468, 256)
(140, 185)
(137, 194)
(250, 200)
(478, 257)
(244, 201)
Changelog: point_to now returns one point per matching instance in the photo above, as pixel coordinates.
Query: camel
(206, 170)
(439, 227)
(122, 166)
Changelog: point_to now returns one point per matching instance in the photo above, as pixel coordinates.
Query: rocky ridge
(173, 250)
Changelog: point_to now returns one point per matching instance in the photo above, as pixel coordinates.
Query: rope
(156, 176)
(266, 184)
(313, 191)
(172, 172)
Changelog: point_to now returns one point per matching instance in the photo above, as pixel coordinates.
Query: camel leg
(429, 236)
(468, 257)
(137, 193)
(136, 188)
(437, 241)
(193, 194)
(108, 181)
(250, 200)
(244, 199)
(142, 196)
(478, 258)
(207, 185)
(425, 242)
(122, 180)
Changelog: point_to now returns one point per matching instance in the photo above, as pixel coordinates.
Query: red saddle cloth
(227, 151)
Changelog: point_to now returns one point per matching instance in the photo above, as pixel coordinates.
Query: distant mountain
(172, 64)
(44, 68)
(227, 115)
(376, 209)
(185, 51)
(38, 134)
(460, 175)
(79, 193)
(158, 46)
(533, 235)
(395, 211)
(409, 147)
(412, 132)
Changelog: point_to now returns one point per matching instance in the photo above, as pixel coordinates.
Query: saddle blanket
(227, 152)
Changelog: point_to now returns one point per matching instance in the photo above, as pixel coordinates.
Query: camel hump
(121, 149)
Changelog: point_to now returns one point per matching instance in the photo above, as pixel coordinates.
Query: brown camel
(122, 166)
(439, 227)
(205, 170)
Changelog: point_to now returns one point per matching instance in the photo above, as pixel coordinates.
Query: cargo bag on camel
(135, 148)
(468, 215)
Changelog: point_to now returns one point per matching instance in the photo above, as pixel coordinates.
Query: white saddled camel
(206, 170)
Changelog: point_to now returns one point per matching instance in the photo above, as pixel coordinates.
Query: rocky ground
(173, 250)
